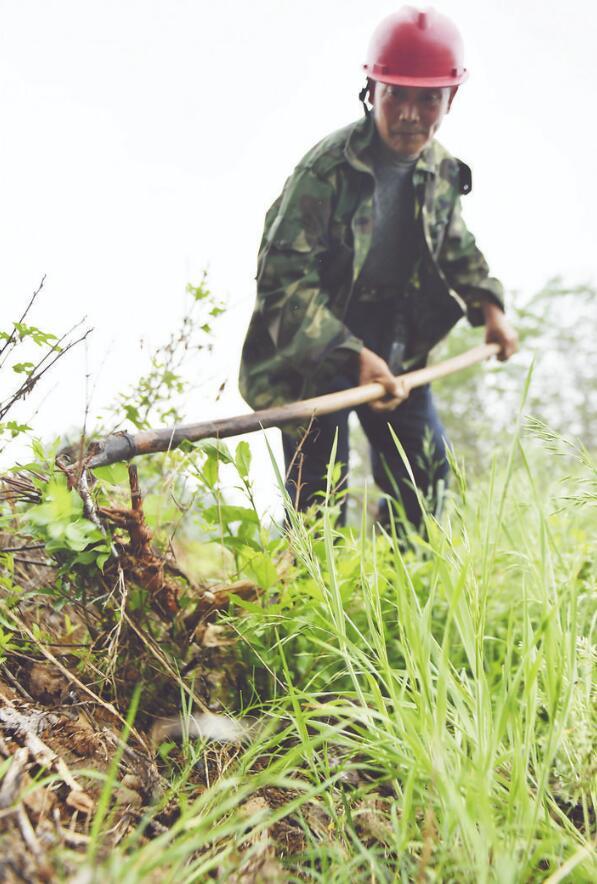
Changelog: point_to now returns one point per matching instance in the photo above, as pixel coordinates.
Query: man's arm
(467, 272)
(373, 368)
(499, 331)
(290, 295)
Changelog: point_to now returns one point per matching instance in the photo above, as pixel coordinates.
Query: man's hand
(499, 331)
(374, 369)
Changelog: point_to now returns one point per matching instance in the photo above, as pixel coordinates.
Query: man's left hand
(499, 331)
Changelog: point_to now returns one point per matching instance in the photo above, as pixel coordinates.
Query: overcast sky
(143, 140)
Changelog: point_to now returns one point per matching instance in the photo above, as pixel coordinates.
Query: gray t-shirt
(391, 256)
(377, 313)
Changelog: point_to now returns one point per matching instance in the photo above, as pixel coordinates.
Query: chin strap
(363, 97)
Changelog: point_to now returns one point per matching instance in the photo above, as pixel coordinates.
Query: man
(366, 264)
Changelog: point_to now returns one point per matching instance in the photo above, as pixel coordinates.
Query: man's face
(407, 117)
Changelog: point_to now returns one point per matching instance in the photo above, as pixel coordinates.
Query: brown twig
(19, 488)
(23, 561)
(429, 840)
(157, 653)
(35, 375)
(15, 683)
(11, 783)
(10, 341)
(299, 455)
(22, 626)
(28, 833)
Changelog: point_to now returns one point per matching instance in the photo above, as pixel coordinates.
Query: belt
(378, 293)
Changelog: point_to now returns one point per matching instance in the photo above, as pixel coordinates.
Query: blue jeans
(417, 426)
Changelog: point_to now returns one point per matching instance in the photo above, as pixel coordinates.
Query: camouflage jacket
(316, 238)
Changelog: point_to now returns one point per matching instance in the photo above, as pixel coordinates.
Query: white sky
(143, 140)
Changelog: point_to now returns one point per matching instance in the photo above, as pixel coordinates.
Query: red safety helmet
(415, 48)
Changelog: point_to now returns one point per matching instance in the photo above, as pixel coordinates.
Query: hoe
(124, 446)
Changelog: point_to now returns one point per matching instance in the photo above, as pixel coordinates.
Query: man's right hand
(372, 368)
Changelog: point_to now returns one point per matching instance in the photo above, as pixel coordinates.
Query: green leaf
(134, 416)
(38, 450)
(85, 557)
(216, 449)
(14, 429)
(164, 749)
(228, 514)
(262, 568)
(242, 459)
(246, 605)
(37, 335)
(210, 472)
(23, 367)
(79, 535)
(101, 560)
(241, 543)
(198, 292)
(116, 474)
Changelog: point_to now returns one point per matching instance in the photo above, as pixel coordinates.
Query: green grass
(443, 692)
(418, 711)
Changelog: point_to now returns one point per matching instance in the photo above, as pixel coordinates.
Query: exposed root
(139, 564)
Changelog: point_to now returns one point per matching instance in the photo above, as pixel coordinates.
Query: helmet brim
(422, 82)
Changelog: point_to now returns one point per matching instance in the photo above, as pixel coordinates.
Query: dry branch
(11, 783)
(43, 649)
(10, 342)
(39, 370)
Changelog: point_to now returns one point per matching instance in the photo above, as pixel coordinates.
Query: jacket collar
(357, 149)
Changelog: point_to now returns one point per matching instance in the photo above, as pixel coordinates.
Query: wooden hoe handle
(124, 446)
